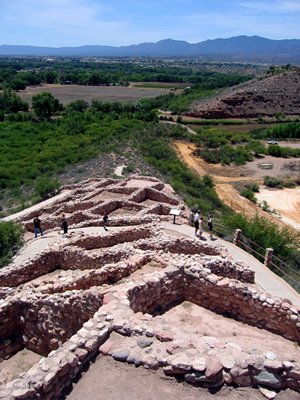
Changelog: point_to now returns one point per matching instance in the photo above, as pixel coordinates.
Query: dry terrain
(226, 177)
(68, 93)
(268, 96)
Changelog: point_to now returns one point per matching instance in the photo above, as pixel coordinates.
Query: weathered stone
(267, 392)
(213, 367)
(268, 379)
(199, 364)
(163, 336)
(121, 355)
(228, 362)
(270, 355)
(144, 342)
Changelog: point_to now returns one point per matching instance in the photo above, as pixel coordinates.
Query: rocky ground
(107, 379)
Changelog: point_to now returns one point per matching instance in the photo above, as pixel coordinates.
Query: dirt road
(224, 177)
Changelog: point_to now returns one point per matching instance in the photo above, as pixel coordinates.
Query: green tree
(46, 188)
(45, 105)
(77, 105)
(11, 238)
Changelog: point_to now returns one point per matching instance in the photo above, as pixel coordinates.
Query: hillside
(268, 97)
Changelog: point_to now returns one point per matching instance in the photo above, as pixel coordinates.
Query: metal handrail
(251, 241)
(284, 273)
(250, 249)
(286, 265)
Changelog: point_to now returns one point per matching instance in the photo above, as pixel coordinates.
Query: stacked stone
(158, 345)
(42, 263)
(42, 323)
(153, 194)
(242, 301)
(9, 320)
(47, 379)
(160, 290)
(83, 208)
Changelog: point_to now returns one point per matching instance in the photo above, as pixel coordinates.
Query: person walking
(37, 226)
(211, 222)
(64, 224)
(105, 220)
(201, 228)
(197, 222)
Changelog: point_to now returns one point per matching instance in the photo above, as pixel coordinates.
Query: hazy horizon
(74, 23)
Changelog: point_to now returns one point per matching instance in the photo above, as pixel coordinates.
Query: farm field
(68, 93)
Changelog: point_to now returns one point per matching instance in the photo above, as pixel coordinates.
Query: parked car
(272, 142)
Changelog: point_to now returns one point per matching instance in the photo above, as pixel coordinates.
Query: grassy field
(68, 93)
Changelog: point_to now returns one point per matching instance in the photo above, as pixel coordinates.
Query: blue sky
(59, 23)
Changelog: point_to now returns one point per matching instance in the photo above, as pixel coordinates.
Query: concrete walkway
(264, 277)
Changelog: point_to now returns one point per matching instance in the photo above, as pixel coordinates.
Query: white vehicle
(272, 142)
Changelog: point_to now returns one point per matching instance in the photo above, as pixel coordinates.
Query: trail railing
(266, 256)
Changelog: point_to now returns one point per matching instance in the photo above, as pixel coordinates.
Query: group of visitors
(197, 219)
(38, 225)
(63, 225)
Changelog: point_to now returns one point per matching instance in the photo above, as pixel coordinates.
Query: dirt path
(225, 176)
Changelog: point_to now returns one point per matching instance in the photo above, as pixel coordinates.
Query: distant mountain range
(239, 46)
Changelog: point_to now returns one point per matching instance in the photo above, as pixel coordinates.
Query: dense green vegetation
(19, 73)
(10, 240)
(35, 147)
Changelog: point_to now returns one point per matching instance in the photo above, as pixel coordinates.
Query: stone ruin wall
(74, 315)
(91, 211)
(57, 370)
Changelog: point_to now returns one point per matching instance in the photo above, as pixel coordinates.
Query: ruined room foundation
(110, 293)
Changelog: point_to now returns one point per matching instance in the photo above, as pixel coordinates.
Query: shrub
(273, 182)
(289, 184)
(249, 195)
(265, 206)
(46, 188)
(11, 238)
(253, 186)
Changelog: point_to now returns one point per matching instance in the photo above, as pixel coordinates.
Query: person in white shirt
(197, 222)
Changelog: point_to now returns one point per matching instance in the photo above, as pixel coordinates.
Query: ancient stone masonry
(109, 293)
(93, 199)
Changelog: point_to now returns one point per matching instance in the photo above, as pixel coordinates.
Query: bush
(273, 182)
(249, 195)
(253, 186)
(11, 239)
(46, 188)
(289, 184)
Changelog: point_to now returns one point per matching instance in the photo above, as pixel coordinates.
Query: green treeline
(25, 72)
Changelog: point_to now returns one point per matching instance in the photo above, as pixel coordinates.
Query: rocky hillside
(266, 96)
